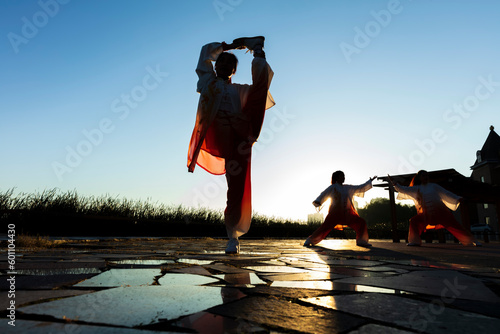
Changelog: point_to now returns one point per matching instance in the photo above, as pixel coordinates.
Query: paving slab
(121, 277)
(273, 286)
(442, 283)
(24, 297)
(431, 318)
(38, 282)
(378, 329)
(44, 327)
(185, 279)
(209, 323)
(131, 306)
(291, 316)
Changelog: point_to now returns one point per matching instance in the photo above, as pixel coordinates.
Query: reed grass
(31, 242)
(54, 201)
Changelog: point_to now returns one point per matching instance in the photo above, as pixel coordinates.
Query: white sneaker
(233, 246)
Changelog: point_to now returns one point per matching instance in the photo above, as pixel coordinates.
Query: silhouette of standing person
(341, 210)
(228, 122)
(433, 204)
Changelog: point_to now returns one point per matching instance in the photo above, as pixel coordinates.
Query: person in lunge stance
(228, 122)
(433, 204)
(342, 211)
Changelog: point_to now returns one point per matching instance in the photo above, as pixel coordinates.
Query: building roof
(450, 179)
(490, 152)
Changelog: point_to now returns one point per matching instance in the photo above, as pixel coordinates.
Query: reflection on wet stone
(137, 306)
(434, 282)
(409, 313)
(122, 277)
(208, 323)
(276, 269)
(241, 279)
(310, 276)
(185, 279)
(289, 316)
(276, 286)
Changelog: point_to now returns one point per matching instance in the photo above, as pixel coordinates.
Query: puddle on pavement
(195, 261)
(333, 286)
(122, 277)
(143, 262)
(132, 306)
(320, 285)
(69, 271)
(276, 269)
(241, 279)
(185, 280)
(311, 276)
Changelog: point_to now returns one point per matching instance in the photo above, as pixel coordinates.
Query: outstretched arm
(205, 69)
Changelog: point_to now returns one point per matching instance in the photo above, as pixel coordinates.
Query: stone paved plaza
(273, 286)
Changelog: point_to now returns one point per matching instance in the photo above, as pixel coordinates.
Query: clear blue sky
(100, 96)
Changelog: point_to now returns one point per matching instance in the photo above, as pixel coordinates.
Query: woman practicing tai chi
(342, 211)
(433, 204)
(228, 122)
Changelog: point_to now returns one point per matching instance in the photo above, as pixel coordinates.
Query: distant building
(486, 169)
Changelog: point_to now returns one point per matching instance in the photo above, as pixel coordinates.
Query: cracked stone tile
(241, 279)
(318, 285)
(333, 286)
(195, 270)
(378, 329)
(131, 306)
(276, 269)
(384, 269)
(413, 314)
(30, 296)
(293, 293)
(354, 272)
(121, 277)
(56, 265)
(227, 269)
(185, 279)
(209, 323)
(35, 282)
(41, 327)
(289, 316)
(273, 262)
(437, 282)
(195, 261)
(310, 276)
